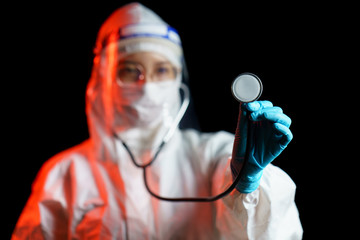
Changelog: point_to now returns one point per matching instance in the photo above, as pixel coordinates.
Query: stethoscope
(246, 88)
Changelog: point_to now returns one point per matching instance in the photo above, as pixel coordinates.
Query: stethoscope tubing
(168, 136)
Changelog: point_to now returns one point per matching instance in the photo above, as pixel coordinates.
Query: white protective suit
(94, 191)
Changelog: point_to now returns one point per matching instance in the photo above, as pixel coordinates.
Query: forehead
(145, 58)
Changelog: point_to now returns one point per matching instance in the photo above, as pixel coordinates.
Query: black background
(293, 48)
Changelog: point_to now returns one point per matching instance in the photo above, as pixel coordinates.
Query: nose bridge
(149, 76)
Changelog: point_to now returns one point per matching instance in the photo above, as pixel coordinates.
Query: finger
(259, 113)
(272, 115)
(258, 105)
(278, 118)
(285, 131)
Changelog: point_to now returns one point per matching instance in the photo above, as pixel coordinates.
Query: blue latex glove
(270, 136)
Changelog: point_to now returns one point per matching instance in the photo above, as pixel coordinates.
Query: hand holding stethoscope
(247, 164)
(262, 133)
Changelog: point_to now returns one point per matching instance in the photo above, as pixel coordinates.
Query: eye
(165, 72)
(128, 70)
(129, 73)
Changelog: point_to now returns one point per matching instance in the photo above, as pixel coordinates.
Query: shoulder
(62, 164)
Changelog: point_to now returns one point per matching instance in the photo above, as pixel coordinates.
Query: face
(144, 67)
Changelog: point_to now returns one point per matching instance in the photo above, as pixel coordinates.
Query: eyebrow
(127, 61)
(133, 62)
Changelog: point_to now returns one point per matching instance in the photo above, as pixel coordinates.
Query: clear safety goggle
(132, 72)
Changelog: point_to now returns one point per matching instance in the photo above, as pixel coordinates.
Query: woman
(96, 189)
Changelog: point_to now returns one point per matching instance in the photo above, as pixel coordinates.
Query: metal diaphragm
(247, 87)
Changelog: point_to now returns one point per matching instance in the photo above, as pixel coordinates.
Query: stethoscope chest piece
(247, 87)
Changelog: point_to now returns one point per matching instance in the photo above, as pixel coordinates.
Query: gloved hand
(270, 134)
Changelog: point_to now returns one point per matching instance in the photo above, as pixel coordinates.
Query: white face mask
(147, 105)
